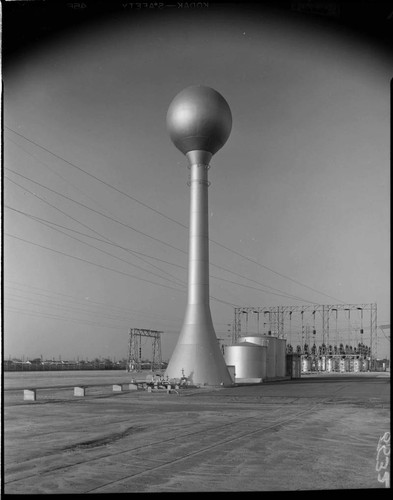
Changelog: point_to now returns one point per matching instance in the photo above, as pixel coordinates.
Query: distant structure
(199, 122)
(134, 362)
(328, 337)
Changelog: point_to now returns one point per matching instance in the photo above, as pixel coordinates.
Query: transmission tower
(135, 349)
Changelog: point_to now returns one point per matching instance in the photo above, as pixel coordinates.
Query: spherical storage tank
(249, 360)
(271, 355)
(199, 118)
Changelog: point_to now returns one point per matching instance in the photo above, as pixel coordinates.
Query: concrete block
(117, 388)
(133, 387)
(249, 380)
(29, 394)
(149, 389)
(79, 391)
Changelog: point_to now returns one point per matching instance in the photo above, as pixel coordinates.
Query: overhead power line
(170, 218)
(109, 241)
(63, 307)
(276, 272)
(62, 318)
(39, 160)
(102, 240)
(95, 211)
(96, 178)
(177, 282)
(71, 298)
(211, 296)
(47, 224)
(92, 263)
(76, 312)
(283, 294)
(34, 194)
(109, 268)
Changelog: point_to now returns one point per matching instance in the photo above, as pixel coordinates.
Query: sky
(95, 195)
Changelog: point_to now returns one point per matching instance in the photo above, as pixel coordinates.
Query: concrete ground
(317, 433)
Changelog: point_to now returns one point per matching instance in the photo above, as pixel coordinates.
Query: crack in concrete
(111, 438)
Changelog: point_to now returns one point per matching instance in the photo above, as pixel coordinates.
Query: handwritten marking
(383, 459)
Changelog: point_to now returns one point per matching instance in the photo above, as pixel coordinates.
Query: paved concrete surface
(316, 433)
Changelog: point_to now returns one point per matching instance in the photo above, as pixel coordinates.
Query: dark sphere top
(199, 118)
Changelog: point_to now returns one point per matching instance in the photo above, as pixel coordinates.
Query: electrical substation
(327, 338)
(270, 343)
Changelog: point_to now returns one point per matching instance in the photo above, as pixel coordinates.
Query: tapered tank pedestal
(197, 354)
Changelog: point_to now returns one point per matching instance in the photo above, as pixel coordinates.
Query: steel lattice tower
(135, 348)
